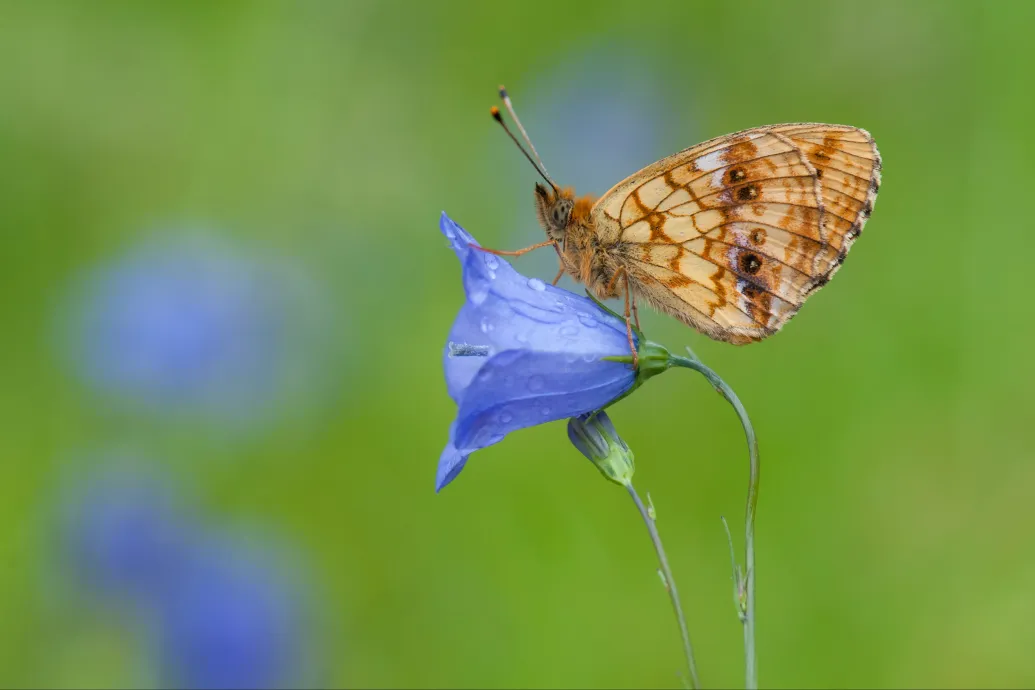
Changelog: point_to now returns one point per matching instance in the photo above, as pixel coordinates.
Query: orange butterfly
(729, 236)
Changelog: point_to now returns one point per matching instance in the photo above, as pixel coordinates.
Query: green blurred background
(895, 529)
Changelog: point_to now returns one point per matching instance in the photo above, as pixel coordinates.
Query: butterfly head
(554, 210)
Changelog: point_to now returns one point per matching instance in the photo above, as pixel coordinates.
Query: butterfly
(730, 236)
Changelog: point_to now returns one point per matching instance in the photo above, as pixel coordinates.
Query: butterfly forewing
(732, 235)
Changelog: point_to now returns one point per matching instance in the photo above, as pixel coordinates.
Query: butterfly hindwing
(848, 166)
(732, 235)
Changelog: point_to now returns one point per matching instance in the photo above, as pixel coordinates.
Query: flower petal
(449, 463)
(486, 274)
(514, 325)
(460, 371)
(517, 389)
(459, 239)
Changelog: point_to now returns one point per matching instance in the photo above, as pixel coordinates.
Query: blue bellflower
(178, 322)
(522, 353)
(124, 532)
(222, 611)
(191, 324)
(233, 620)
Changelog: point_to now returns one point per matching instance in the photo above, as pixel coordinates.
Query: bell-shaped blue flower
(124, 531)
(185, 323)
(234, 619)
(522, 353)
(222, 610)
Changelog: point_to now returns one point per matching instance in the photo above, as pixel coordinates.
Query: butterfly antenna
(499, 118)
(513, 115)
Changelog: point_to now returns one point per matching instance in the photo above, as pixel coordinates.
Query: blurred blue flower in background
(217, 611)
(232, 620)
(191, 323)
(125, 533)
(522, 353)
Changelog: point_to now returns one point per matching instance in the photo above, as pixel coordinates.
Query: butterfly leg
(636, 312)
(610, 291)
(560, 273)
(628, 326)
(516, 252)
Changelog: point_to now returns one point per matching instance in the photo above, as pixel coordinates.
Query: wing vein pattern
(733, 235)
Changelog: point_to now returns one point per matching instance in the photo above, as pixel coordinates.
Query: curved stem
(747, 586)
(670, 584)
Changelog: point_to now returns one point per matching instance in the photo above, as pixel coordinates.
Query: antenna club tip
(503, 91)
(495, 112)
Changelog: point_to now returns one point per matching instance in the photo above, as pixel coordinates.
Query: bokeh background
(225, 297)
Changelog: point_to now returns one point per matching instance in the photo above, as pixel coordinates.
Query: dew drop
(544, 411)
(477, 291)
(491, 262)
(484, 374)
(521, 338)
(570, 330)
(487, 325)
(587, 320)
(589, 358)
(495, 438)
(505, 417)
(536, 383)
(536, 284)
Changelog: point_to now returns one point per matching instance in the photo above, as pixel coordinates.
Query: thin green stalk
(670, 584)
(746, 583)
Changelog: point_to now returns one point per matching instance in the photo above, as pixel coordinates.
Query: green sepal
(653, 358)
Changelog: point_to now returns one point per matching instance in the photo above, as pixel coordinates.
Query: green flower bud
(596, 438)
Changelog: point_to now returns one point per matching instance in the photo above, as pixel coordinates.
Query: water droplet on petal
(587, 320)
(521, 338)
(484, 374)
(571, 358)
(495, 438)
(491, 262)
(544, 411)
(589, 358)
(477, 291)
(536, 383)
(536, 284)
(569, 330)
(505, 417)
(487, 325)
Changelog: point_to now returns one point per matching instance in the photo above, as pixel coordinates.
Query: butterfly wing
(732, 235)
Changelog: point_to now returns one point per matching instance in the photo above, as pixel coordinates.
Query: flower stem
(746, 585)
(670, 583)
